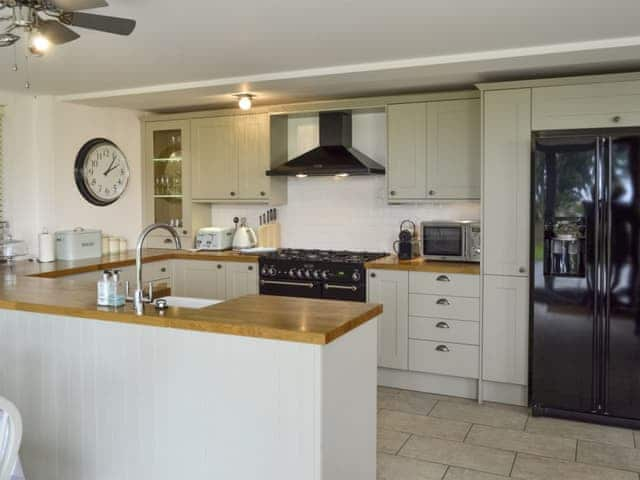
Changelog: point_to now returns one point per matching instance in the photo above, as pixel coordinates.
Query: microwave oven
(453, 241)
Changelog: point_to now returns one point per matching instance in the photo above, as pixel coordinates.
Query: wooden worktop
(421, 265)
(42, 288)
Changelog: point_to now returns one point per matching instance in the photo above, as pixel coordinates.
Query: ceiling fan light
(38, 43)
(8, 39)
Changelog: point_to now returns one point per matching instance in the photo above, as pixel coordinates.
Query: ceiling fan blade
(103, 23)
(56, 33)
(73, 5)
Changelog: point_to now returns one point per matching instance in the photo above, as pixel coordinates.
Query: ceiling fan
(47, 22)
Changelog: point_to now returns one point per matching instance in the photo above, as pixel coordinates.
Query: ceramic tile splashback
(344, 213)
(349, 213)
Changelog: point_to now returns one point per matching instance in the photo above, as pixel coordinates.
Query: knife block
(269, 235)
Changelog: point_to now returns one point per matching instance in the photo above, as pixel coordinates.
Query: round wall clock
(101, 172)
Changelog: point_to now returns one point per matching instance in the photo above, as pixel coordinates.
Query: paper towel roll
(46, 247)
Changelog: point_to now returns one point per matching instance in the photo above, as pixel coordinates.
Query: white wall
(344, 213)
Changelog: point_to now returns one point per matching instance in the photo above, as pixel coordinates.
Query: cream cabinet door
(214, 164)
(252, 133)
(406, 144)
(453, 149)
(199, 279)
(506, 329)
(391, 289)
(242, 279)
(506, 177)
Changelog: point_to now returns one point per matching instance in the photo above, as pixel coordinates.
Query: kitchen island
(254, 387)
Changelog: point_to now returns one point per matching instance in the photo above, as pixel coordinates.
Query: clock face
(102, 172)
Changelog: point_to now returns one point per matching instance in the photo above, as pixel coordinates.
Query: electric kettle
(244, 236)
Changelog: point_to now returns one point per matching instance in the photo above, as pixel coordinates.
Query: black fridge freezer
(585, 283)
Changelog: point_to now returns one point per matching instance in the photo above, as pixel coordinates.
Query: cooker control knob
(272, 271)
(264, 271)
(300, 273)
(307, 273)
(325, 274)
(292, 273)
(355, 276)
(316, 274)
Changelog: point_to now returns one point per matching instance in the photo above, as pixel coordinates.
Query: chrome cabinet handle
(442, 348)
(443, 278)
(294, 284)
(353, 288)
(442, 325)
(443, 301)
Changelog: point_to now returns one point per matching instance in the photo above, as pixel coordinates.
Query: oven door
(443, 241)
(354, 292)
(292, 288)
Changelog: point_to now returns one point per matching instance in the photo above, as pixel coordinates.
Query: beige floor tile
(423, 425)
(455, 473)
(530, 467)
(459, 454)
(501, 416)
(402, 468)
(581, 431)
(624, 458)
(405, 401)
(534, 443)
(390, 441)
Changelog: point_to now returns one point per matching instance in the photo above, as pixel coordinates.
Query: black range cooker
(336, 275)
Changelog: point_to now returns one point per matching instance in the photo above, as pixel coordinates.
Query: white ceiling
(195, 53)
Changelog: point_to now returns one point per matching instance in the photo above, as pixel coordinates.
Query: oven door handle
(292, 284)
(353, 288)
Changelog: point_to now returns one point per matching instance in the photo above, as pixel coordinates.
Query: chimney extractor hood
(334, 156)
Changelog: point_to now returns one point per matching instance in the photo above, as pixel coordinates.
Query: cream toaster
(214, 238)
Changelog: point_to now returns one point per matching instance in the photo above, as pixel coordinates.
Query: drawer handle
(443, 301)
(443, 278)
(442, 325)
(442, 348)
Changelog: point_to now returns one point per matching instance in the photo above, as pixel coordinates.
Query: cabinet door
(214, 164)
(506, 329)
(253, 156)
(391, 289)
(506, 188)
(407, 143)
(199, 279)
(453, 149)
(242, 279)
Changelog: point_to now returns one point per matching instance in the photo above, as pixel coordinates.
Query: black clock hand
(109, 167)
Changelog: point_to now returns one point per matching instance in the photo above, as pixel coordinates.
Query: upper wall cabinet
(434, 150)
(231, 155)
(598, 105)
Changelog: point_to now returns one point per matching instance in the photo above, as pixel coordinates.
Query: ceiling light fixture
(38, 43)
(342, 174)
(245, 100)
(8, 39)
(301, 175)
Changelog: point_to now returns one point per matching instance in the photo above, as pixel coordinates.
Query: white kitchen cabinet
(242, 279)
(214, 158)
(506, 329)
(453, 149)
(200, 279)
(407, 151)
(253, 156)
(391, 289)
(597, 105)
(506, 187)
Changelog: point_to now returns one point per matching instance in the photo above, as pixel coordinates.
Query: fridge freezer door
(563, 371)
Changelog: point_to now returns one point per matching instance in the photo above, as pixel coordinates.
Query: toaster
(78, 244)
(214, 238)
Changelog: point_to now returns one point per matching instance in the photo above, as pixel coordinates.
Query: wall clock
(101, 172)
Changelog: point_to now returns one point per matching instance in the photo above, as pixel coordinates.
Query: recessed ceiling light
(342, 174)
(301, 175)
(245, 100)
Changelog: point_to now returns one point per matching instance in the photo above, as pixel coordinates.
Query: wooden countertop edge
(420, 265)
(211, 326)
(148, 258)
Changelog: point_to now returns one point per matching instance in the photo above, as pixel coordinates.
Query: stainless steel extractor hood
(334, 156)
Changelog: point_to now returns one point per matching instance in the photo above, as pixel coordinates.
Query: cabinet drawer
(459, 285)
(442, 306)
(444, 358)
(155, 271)
(441, 330)
(612, 104)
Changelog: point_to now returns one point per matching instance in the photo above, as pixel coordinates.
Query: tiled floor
(431, 437)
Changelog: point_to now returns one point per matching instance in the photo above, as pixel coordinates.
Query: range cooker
(336, 275)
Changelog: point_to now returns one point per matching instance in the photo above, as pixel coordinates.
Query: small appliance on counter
(407, 246)
(451, 241)
(215, 238)
(78, 244)
(244, 236)
(10, 249)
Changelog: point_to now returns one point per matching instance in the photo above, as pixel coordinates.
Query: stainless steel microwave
(459, 241)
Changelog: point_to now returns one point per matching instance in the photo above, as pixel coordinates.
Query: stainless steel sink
(189, 302)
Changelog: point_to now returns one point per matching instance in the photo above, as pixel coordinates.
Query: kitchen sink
(189, 302)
